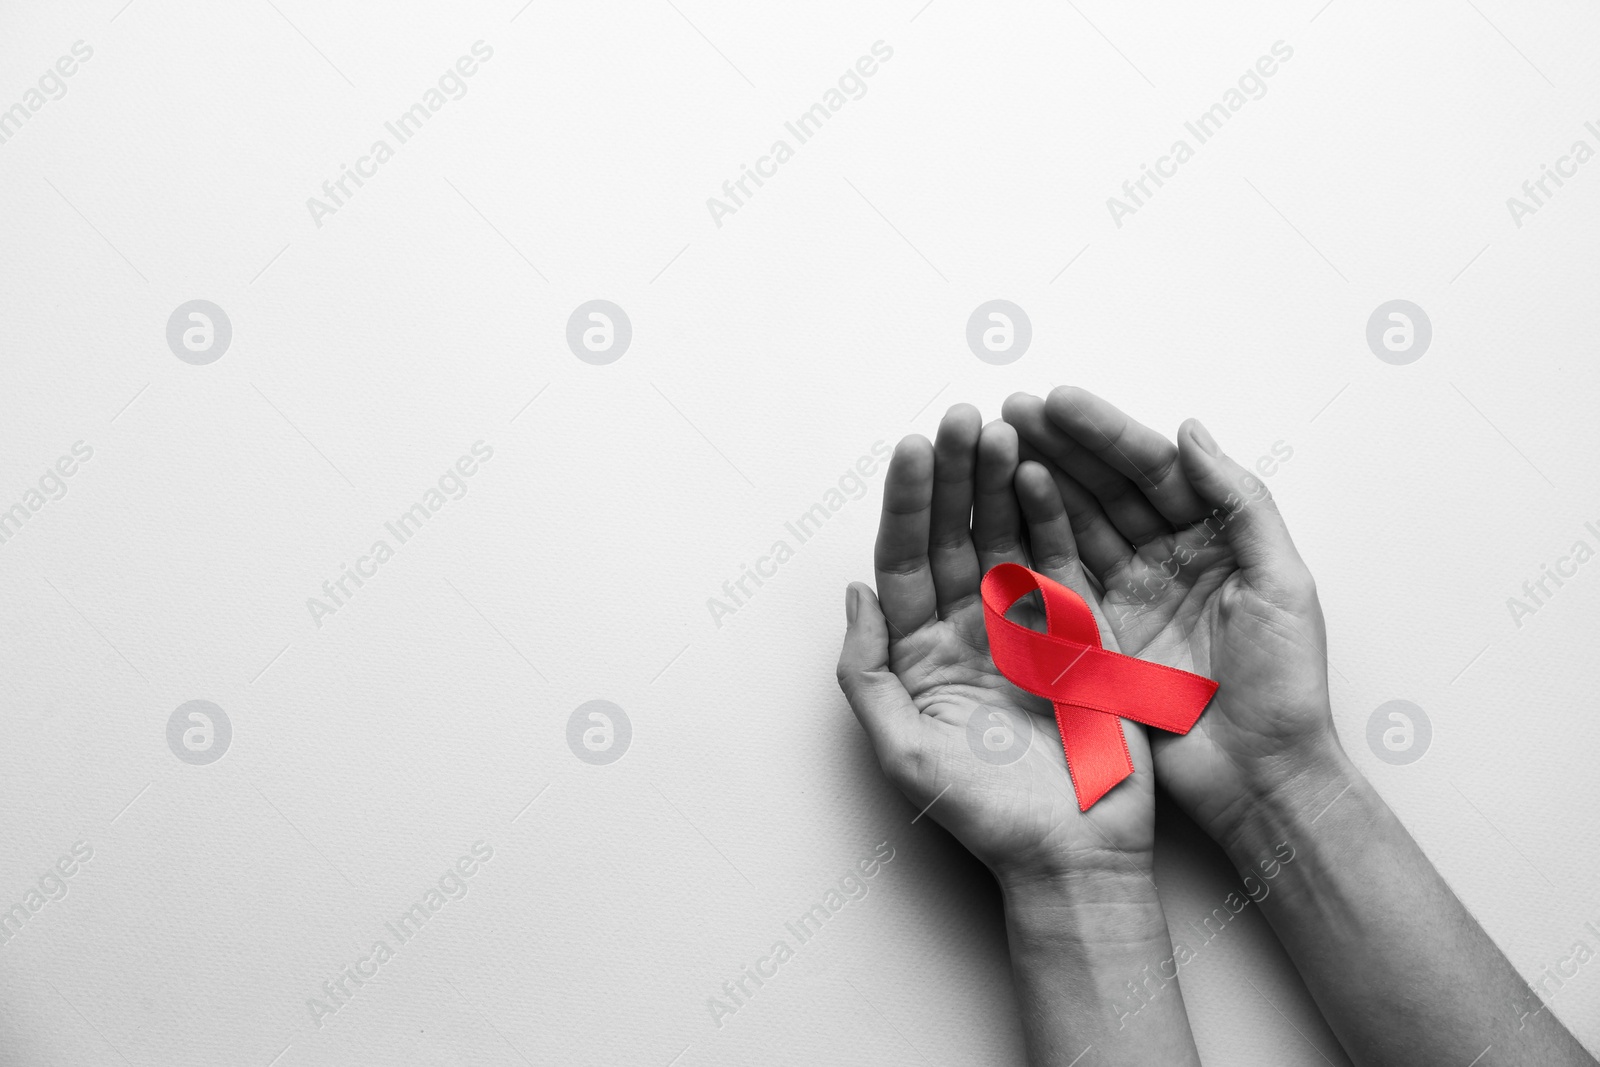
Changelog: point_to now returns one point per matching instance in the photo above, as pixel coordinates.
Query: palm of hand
(917, 669)
(1016, 805)
(1202, 615)
(1262, 650)
(1189, 596)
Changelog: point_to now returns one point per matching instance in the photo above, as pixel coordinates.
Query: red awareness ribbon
(1090, 686)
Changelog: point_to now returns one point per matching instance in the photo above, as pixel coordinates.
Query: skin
(1197, 571)
(1081, 909)
(1194, 568)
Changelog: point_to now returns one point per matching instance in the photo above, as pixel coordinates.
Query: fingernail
(1203, 438)
(852, 602)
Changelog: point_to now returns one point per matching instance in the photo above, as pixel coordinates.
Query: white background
(768, 354)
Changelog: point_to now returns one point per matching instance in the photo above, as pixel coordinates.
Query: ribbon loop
(1090, 686)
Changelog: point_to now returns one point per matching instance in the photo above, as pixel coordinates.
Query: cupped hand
(1196, 570)
(916, 667)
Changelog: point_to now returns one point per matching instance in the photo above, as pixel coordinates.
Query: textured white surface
(768, 354)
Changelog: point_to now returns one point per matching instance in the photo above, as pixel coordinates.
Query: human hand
(916, 666)
(1196, 570)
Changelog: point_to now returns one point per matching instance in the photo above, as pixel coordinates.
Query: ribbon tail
(1097, 754)
(1162, 697)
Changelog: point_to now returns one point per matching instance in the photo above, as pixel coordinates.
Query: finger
(1101, 547)
(905, 579)
(1251, 523)
(1051, 545)
(1050, 542)
(1134, 516)
(1146, 458)
(876, 695)
(953, 559)
(996, 519)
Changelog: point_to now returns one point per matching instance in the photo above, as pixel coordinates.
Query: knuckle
(1059, 561)
(898, 757)
(849, 678)
(1299, 586)
(1162, 469)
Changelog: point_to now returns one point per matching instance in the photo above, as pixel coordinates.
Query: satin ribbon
(1090, 686)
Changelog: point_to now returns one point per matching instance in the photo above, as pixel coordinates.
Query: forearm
(1094, 970)
(1401, 970)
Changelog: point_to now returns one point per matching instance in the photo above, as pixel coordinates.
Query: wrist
(1285, 803)
(1081, 877)
(1094, 966)
(1083, 907)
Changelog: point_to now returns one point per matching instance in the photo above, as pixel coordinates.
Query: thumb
(1251, 522)
(875, 693)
